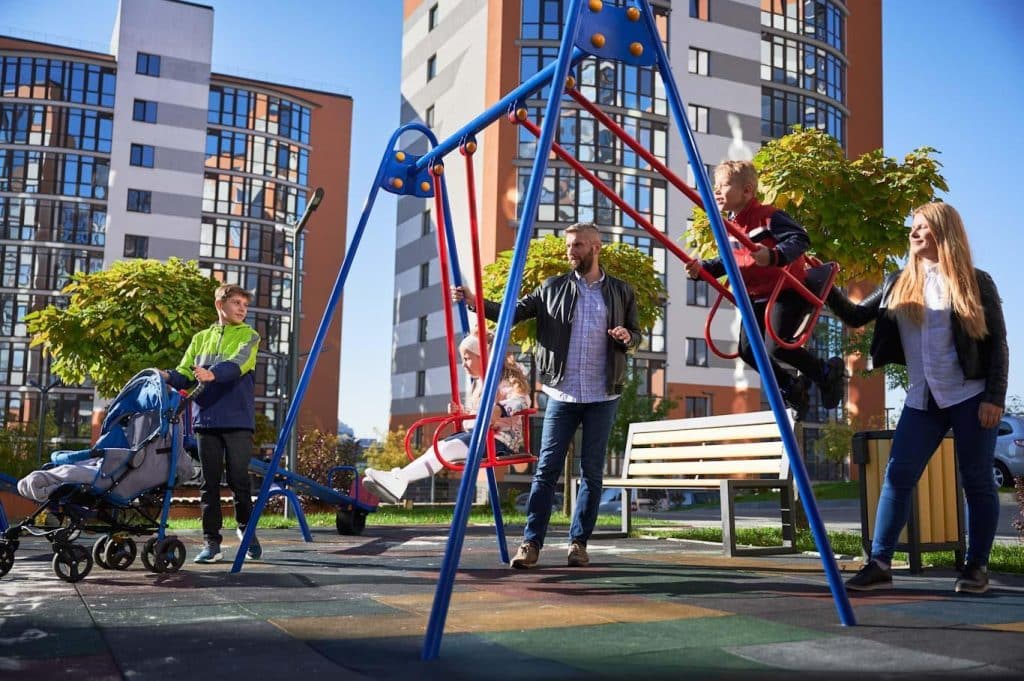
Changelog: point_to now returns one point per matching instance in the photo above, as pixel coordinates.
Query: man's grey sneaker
(870, 578)
(210, 554)
(973, 580)
(832, 385)
(255, 551)
(578, 555)
(526, 556)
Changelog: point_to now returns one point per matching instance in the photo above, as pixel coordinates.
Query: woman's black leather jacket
(988, 358)
(553, 305)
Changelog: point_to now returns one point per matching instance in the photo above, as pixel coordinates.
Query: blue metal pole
(753, 332)
(557, 72)
(318, 343)
(499, 109)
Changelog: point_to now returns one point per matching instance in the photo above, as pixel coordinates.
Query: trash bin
(936, 521)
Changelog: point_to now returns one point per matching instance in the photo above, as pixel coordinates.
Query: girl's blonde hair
(510, 370)
(956, 265)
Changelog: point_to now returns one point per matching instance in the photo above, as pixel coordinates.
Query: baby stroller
(119, 488)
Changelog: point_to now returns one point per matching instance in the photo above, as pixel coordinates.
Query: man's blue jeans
(917, 436)
(561, 419)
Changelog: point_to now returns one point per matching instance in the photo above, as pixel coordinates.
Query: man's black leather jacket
(553, 304)
(988, 358)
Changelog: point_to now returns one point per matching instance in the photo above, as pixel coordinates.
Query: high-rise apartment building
(747, 70)
(143, 152)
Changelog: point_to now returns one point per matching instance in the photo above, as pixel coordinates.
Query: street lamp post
(44, 393)
(296, 302)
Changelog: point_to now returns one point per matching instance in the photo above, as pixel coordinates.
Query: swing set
(610, 32)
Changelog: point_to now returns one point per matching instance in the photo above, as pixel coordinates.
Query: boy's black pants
(788, 312)
(215, 448)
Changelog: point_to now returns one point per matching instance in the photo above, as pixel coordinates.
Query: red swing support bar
(467, 149)
(788, 277)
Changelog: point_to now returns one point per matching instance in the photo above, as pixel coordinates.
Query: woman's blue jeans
(918, 434)
(561, 419)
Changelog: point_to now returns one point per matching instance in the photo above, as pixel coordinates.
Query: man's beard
(585, 263)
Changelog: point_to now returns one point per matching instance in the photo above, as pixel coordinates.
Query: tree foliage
(137, 314)
(390, 453)
(546, 258)
(854, 210)
(834, 441)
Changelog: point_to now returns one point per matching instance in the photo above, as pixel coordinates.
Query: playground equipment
(626, 34)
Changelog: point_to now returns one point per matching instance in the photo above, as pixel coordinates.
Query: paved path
(356, 608)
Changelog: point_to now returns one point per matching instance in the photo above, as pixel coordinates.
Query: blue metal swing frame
(628, 34)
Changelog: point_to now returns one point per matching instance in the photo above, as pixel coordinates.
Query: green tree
(834, 441)
(546, 258)
(389, 453)
(137, 314)
(635, 408)
(854, 209)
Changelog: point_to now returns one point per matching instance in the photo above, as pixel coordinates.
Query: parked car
(1009, 462)
(556, 503)
(611, 501)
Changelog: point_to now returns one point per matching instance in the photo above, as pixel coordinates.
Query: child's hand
(762, 255)
(454, 408)
(203, 375)
(694, 267)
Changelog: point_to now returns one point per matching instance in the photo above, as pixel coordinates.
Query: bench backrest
(707, 448)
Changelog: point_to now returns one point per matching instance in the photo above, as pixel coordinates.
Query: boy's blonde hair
(956, 265)
(225, 291)
(744, 171)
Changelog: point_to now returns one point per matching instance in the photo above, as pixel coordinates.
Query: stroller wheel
(99, 548)
(149, 554)
(7, 550)
(72, 563)
(350, 521)
(170, 555)
(119, 553)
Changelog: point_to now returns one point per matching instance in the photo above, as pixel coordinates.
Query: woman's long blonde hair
(955, 264)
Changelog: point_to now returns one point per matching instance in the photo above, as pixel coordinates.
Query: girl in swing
(513, 396)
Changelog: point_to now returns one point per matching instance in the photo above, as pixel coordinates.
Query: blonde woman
(943, 319)
(513, 396)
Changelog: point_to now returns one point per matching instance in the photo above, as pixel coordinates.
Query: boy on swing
(780, 241)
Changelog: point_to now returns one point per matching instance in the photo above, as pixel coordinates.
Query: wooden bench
(725, 453)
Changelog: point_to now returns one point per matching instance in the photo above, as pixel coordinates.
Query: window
(144, 111)
(698, 117)
(136, 246)
(139, 201)
(142, 155)
(147, 64)
(429, 117)
(421, 335)
(432, 18)
(421, 383)
(425, 223)
(425, 275)
(431, 67)
(699, 9)
(696, 406)
(696, 352)
(697, 292)
(698, 61)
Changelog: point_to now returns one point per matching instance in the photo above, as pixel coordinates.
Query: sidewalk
(357, 607)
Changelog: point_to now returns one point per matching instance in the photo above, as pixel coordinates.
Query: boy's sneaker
(388, 486)
(832, 384)
(797, 398)
(210, 554)
(526, 556)
(255, 551)
(870, 578)
(972, 580)
(578, 555)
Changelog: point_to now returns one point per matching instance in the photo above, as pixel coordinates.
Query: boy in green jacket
(222, 358)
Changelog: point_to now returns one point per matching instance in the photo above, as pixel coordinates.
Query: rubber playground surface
(357, 608)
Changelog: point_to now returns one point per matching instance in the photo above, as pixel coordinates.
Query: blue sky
(952, 74)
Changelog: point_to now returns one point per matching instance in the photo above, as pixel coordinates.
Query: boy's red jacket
(768, 226)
